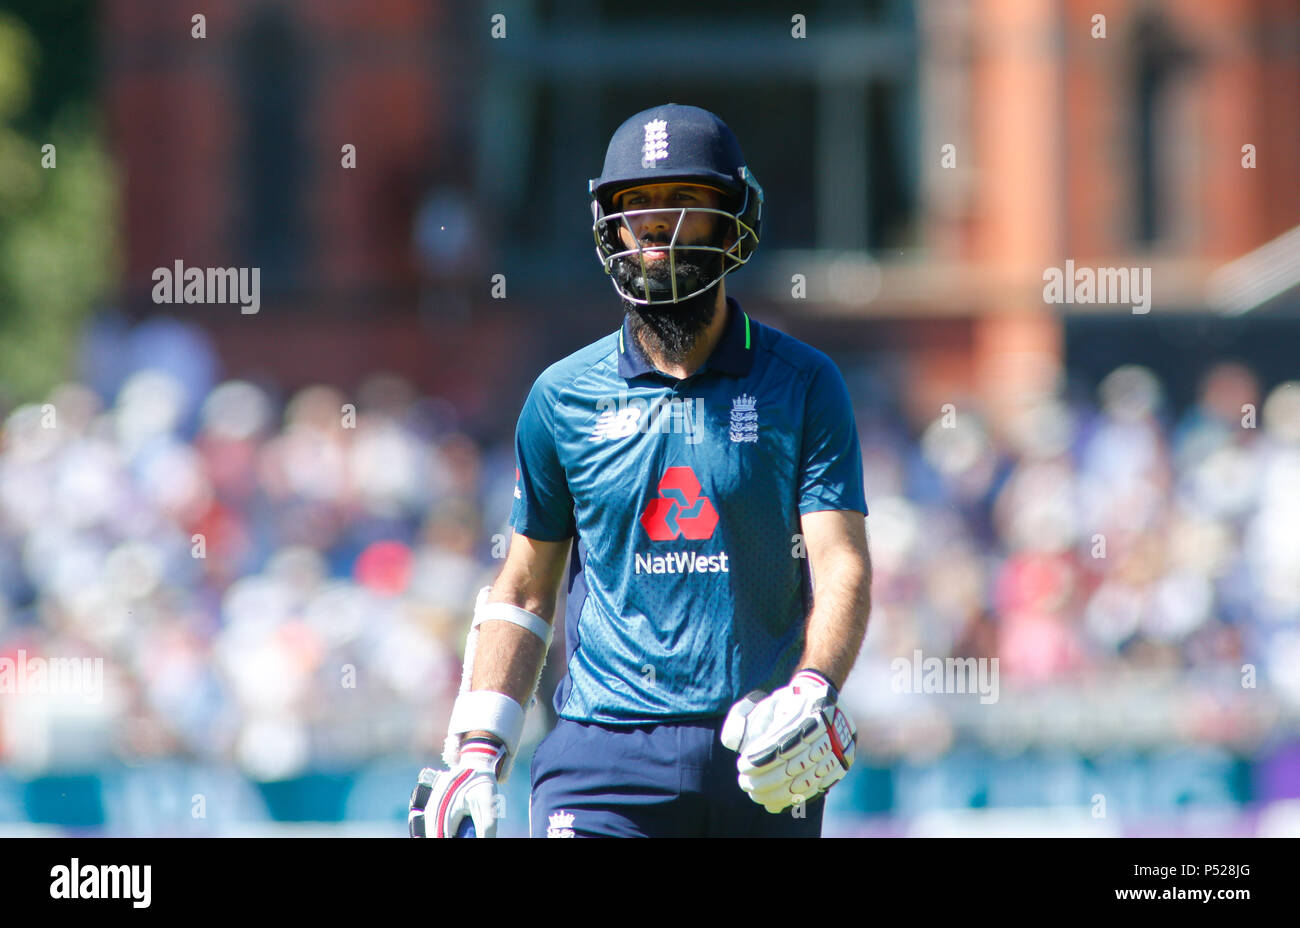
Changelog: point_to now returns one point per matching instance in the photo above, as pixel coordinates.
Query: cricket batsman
(699, 474)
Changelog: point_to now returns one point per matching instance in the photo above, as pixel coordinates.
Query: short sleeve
(830, 461)
(543, 507)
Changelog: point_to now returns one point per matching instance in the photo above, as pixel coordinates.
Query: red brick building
(924, 164)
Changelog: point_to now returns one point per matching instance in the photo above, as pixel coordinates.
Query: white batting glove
(794, 745)
(446, 802)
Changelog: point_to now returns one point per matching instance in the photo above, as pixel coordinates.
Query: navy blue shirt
(689, 586)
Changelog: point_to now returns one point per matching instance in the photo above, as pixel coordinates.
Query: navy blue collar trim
(730, 355)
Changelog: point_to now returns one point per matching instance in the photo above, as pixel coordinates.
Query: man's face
(672, 328)
(657, 228)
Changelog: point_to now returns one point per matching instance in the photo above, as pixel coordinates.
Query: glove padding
(794, 745)
(444, 798)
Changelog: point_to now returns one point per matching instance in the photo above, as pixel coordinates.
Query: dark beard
(671, 330)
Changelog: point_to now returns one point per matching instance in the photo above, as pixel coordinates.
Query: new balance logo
(611, 424)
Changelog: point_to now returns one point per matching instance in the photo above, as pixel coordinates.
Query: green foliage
(57, 247)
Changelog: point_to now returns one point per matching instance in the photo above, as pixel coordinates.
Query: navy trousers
(666, 780)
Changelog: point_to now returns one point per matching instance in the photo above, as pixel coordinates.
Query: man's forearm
(838, 621)
(508, 658)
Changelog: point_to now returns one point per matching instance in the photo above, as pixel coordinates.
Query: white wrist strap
(486, 710)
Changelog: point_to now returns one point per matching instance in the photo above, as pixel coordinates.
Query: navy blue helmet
(675, 144)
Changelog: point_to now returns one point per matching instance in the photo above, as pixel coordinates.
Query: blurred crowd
(1135, 573)
(284, 582)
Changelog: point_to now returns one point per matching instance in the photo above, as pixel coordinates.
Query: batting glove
(445, 803)
(794, 745)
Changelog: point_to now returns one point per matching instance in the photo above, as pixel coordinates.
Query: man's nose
(660, 222)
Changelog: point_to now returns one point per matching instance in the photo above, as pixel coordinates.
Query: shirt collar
(734, 353)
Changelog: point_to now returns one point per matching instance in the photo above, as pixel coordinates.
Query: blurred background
(270, 527)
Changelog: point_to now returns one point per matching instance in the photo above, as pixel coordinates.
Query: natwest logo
(680, 511)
